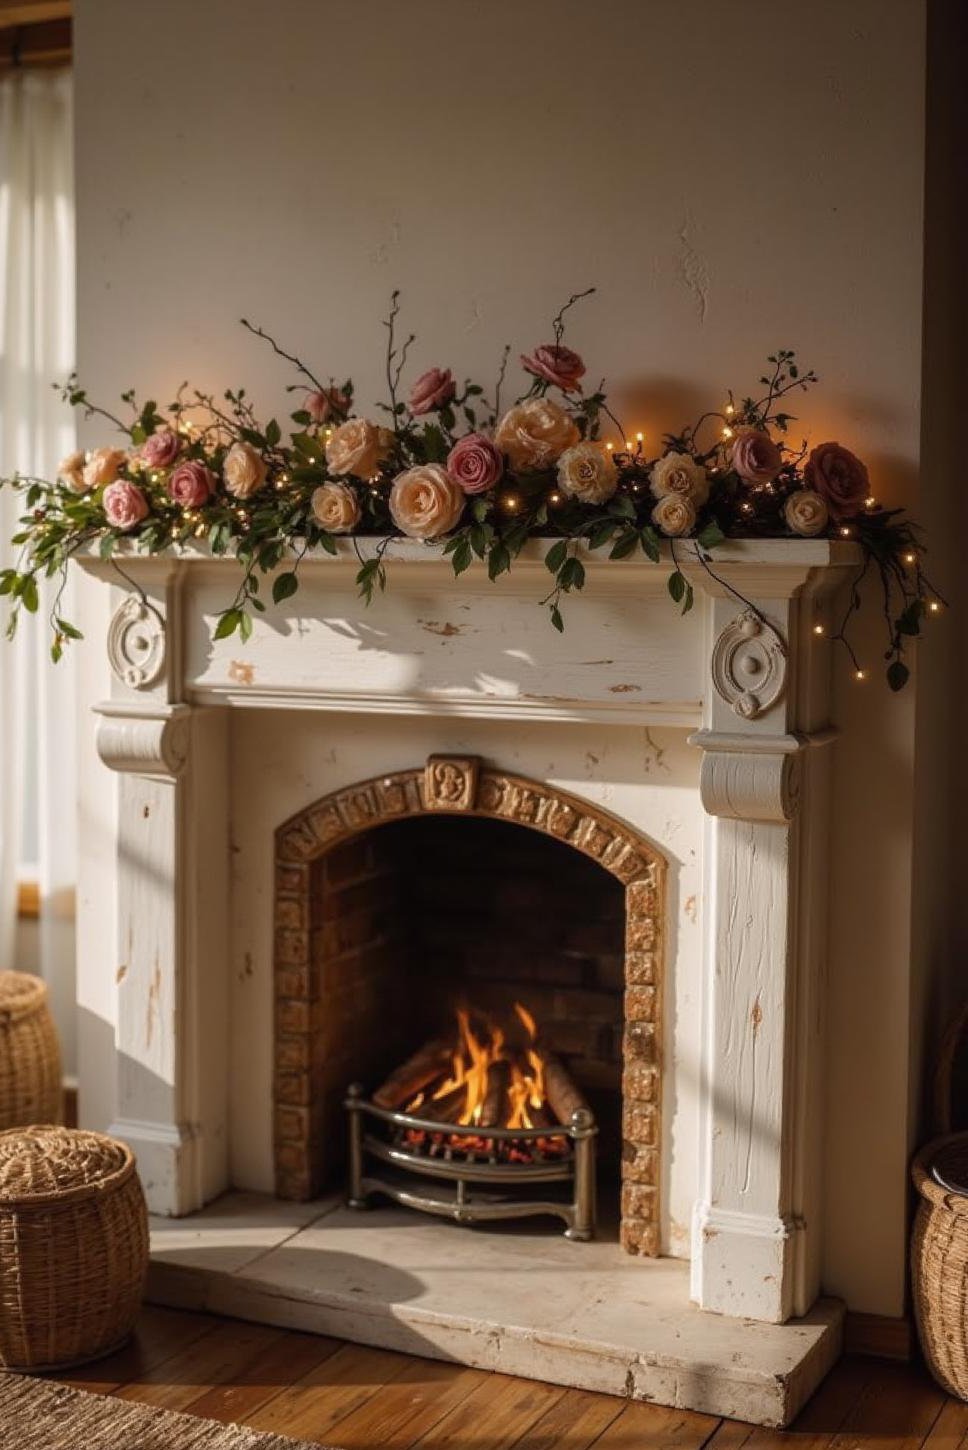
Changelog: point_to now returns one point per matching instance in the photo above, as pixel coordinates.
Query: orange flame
(474, 1057)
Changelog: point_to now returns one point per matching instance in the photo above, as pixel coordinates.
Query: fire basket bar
(475, 1165)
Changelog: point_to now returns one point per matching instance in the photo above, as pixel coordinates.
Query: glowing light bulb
(510, 503)
(860, 674)
(554, 498)
(201, 530)
(845, 532)
(639, 437)
(934, 606)
(910, 558)
(818, 629)
(727, 432)
(870, 503)
(610, 447)
(628, 445)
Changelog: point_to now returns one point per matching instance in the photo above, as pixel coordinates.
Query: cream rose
(244, 470)
(336, 508)
(70, 473)
(675, 515)
(535, 434)
(806, 512)
(103, 466)
(358, 447)
(680, 474)
(588, 473)
(425, 502)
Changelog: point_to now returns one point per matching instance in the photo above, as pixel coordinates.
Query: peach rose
(755, 457)
(674, 515)
(588, 473)
(806, 512)
(535, 434)
(70, 473)
(425, 502)
(839, 477)
(680, 474)
(103, 466)
(336, 508)
(358, 447)
(124, 505)
(244, 470)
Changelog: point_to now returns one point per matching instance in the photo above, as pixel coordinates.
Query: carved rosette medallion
(136, 643)
(749, 665)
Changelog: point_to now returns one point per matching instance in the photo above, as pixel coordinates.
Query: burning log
(561, 1091)
(430, 1062)
(495, 1105)
(442, 1110)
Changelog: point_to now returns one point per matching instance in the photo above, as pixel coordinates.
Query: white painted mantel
(756, 700)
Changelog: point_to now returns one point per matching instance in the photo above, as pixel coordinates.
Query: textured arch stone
(461, 785)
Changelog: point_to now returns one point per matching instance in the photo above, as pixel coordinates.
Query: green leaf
(649, 540)
(68, 629)
(228, 623)
(301, 417)
(677, 586)
(435, 444)
(688, 601)
(909, 621)
(622, 506)
(557, 620)
(898, 675)
(498, 561)
(273, 432)
(28, 594)
(56, 651)
(462, 557)
(710, 536)
(571, 575)
(284, 586)
(624, 545)
(245, 627)
(328, 543)
(106, 547)
(555, 556)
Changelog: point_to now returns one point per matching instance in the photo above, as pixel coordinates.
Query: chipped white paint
(474, 668)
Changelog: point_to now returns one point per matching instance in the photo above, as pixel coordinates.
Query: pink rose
(556, 364)
(755, 457)
(161, 449)
(474, 463)
(840, 479)
(331, 402)
(124, 504)
(433, 390)
(191, 484)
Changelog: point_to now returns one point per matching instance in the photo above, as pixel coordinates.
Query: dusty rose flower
(161, 449)
(425, 502)
(70, 472)
(806, 512)
(679, 473)
(191, 484)
(358, 447)
(124, 504)
(474, 463)
(674, 514)
(755, 456)
(588, 473)
(433, 389)
(556, 364)
(839, 477)
(244, 470)
(330, 402)
(336, 507)
(103, 466)
(535, 434)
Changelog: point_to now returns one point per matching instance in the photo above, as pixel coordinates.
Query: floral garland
(450, 464)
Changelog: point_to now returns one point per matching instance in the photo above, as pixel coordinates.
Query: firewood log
(561, 1091)
(495, 1105)
(442, 1110)
(431, 1061)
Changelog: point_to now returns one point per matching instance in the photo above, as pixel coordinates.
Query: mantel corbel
(152, 742)
(748, 777)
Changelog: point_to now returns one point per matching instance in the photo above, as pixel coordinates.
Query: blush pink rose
(191, 484)
(432, 390)
(161, 449)
(556, 364)
(474, 463)
(329, 403)
(124, 504)
(755, 457)
(840, 479)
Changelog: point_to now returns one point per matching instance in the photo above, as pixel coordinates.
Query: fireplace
(409, 896)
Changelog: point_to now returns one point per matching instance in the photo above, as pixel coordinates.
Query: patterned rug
(41, 1415)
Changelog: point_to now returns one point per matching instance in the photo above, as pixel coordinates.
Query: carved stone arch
(461, 785)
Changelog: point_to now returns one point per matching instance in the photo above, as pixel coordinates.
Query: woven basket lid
(20, 994)
(48, 1165)
(950, 1165)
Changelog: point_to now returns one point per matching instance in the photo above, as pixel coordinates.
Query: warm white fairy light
(727, 432)
(510, 503)
(628, 445)
(746, 508)
(639, 437)
(845, 532)
(870, 503)
(933, 606)
(730, 410)
(910, 558)
(818, 629)
(860, 674)
(554, 498)
(610, 447)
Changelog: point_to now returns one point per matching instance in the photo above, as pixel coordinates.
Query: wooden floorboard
(357, 1398)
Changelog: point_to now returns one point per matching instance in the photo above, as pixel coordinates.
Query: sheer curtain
(37, 759)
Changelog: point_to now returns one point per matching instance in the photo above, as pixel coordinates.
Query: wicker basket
(939, 1261)
(30, 1070)
(73, 1246)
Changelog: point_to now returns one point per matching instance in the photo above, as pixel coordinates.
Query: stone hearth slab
(523, 1301)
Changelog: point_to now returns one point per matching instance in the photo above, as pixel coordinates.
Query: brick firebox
(370, 904)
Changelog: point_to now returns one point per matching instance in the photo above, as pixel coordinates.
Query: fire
(493, 1083)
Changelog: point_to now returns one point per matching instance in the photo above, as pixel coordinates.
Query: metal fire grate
(411, 1148)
